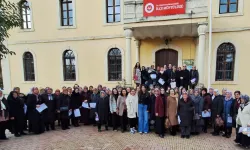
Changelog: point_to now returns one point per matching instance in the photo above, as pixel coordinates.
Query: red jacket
(207, 101)
(159, 106)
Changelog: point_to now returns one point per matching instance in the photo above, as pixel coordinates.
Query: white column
(137, 51)
(201, 51)
(128, 35)
(196, 52)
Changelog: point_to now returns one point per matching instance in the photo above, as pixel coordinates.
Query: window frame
(65, 66)
(24, 8)
(114, 12)
(219, 52)
(117, 72)
(27, 73)
(228, 6)
(67, 2)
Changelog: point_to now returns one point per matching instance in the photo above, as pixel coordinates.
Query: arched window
(28, 66)
(225, 62)
(26, 15)
(69, 70)
(114, 65)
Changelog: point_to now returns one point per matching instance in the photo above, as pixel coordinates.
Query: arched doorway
(165, 57)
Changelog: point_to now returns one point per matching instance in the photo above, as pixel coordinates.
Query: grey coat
(121, 105)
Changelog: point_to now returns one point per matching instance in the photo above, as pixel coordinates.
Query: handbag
(135, 77)
(219, 122)
(66, 108)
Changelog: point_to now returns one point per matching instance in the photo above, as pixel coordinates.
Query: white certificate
(92, 105)
(179, 119)
(41, 108)
(161, 81)
(193, 80)
(241, 129)
(206, 115)
(85, 105)
(70, 113)
(77, 113)
(25, 109)
(173, 85)
(153, 76)
(229, 119)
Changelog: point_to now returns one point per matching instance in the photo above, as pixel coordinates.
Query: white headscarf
(3, 107)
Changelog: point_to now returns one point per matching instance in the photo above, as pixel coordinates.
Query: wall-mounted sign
(163, 7)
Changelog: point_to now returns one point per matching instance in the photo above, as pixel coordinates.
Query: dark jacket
(159, 106)
(217, 107)
(152, 110)
(102, 108)
(49, 114)
(194, 74)
(186, 112)
(207, 101)
(185, 81)
(63, 102)
(144, 98)
(76, 101)
(16, 107)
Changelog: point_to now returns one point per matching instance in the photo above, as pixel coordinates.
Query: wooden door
(165, 57)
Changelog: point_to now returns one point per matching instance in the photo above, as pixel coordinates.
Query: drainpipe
(210, 45)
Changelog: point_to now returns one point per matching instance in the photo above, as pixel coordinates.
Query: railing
(133, 11)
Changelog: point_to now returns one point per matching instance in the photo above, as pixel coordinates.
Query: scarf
(3, 107)
(242, 106)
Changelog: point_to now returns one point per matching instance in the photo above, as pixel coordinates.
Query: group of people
(142, 109)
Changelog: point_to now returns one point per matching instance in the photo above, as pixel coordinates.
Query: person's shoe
(187, 136)
(53, 129)
(161, 136)
(132, 131)
(22, 133)
(99, 130)
(4, 138)
(106, 128)
(215, 134)
(228, 136)
(145, 132)
(183, 136)
(140, 132)
(224, 135)
(67, 128)
(122, 131)
(63, 128)
(17, 135)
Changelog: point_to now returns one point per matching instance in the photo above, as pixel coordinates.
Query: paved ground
(87, 138)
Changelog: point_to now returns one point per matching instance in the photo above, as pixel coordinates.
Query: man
(184, 77)
(49, 114)
(194, 77)
(211, 92)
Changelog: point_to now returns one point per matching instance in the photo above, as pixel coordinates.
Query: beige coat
(121, 105)
(243, 117)
(171, 113)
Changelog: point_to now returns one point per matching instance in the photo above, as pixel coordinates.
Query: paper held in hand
(173, 85)
(206, 114)
(41, 108)
(161, 81)
(193, 80)
(153, 76)
(92, 105)
(85, 105)
(77, 113)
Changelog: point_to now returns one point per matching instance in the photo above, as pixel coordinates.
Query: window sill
(26, 30)
(66, 27)
(69, 82)
(29, 82)
(113, 24)
(225, 83)
(229, 15)
(112, 82)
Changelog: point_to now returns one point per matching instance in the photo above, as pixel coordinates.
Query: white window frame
(35, 66)
(59, 25)
(32, 29)
(76, 66)
(106, 70)
(239, 13)
(105, 23)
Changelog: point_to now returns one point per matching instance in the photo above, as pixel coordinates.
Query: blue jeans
(143, 118)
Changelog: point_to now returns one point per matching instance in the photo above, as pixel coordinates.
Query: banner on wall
(163, 7)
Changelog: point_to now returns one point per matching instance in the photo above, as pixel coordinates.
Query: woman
(198, 107)
(144, 75)
(171, 113)
(16, 111)
(4, 116)
(122, 109)
(75, 103)
(206, 107)
(228, 114)
(85, 97)
(63, 108)
(137, 74)
(56, 95)
(102, 110)
(132, 109)
(90, 89)
(186, 113)
(35, 118)
(160, 106)
(243, 121)
(172, 81)
(113, 108)
(93, 100)
(143, 110)
(128, 90)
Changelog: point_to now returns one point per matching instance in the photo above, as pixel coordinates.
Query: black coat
(152, 110)
(49, 115)
(144, 76)
(93, 99)
(16, 107)
(76, 101)
(186, 112)
(185, 81)
(194, 74)
(144, 98)
(102, 108)
(217, 107)
(63, 101)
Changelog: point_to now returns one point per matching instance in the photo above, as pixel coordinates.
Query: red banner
(163, 7)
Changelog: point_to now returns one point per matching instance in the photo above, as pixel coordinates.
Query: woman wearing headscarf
(228, 114)
(217, 110)
(198, 107)
(85, 97)
(35, 118)
(171, 113)
(243, 121)
(56, 95)
(206, 107)
(63, 104)
(122, 109)
(75, 103)
(186, 112)
(102, 110)
(132, 109)
(113, 108)
(4, 116)
(93, 99)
